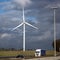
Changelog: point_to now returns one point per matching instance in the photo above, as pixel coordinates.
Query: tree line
(12, 49)
(57, 44)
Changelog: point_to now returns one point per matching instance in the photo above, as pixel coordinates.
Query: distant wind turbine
(54, 16)
(54, 12)
(24, 23)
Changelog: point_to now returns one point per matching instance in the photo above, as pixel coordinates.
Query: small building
(40, 52)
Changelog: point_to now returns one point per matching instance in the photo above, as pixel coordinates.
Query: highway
(47, 58)
(7, 57)
(44, 58)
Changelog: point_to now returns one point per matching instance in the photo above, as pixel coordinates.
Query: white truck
(40, 52)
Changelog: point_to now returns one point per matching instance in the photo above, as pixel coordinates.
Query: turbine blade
(17, 27)
(31, 25)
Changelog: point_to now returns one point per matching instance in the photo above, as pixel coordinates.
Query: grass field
(26, 53)
(15, 53)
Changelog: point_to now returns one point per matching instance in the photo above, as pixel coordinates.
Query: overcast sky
(37, 13)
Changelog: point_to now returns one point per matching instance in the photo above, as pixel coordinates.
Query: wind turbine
(54, 12)
(54, 18)
(24, 23)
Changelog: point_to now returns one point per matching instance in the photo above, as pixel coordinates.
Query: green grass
(50, 53)
(15, 53)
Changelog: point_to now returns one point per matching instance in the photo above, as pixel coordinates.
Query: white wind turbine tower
(24, 23)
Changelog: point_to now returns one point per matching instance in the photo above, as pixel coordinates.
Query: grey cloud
(51, 19)
(54, 4)
(23, 3)
(37, 16)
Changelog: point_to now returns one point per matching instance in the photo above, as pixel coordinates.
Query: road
(47, 58)
(44, 58)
